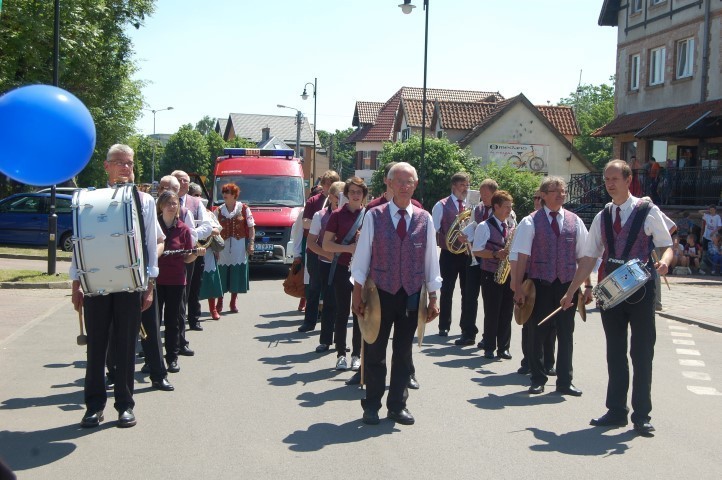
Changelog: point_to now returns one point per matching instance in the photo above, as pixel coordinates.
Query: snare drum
(108, 240)
(621, 284)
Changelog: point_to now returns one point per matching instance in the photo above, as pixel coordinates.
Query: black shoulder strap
(607, 218)
(643, 209)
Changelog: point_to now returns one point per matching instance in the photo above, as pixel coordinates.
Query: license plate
(263, 247)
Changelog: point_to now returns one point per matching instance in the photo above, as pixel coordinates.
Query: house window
(656, 66)
(685, 57)
(366, 160)
(634, 72)
(635, 6)
(405, 134)
(440, 134)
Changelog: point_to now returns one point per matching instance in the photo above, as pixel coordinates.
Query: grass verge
(40, 252)
(30, 276)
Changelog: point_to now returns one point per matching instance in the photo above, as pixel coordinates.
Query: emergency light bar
(257, 152)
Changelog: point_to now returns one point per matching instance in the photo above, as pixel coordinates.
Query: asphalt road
(257, 402)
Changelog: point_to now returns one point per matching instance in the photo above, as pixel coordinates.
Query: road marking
(676, 327)
(703, 390)
(688, 351)
(686, 362)
(681, 334)
(678, 341)
(697, 376)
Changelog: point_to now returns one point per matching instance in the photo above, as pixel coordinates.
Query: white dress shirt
(653, 226)
(361, 260)
(482, 233)
(202, 226)
(526, 231)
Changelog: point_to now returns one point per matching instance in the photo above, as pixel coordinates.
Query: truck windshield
(264, 190)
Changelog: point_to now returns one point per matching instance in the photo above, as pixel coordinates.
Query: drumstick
(550, 315)
(82, 339)
(363, 342)
(655, 257)
(143, 334)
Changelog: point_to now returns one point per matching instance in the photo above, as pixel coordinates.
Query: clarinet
(190, 251)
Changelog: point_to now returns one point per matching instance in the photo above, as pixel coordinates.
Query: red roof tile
(663, 122)
(561, 117)
(366, 112)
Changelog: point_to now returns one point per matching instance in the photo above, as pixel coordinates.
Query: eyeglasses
(537, 198)
(224, 191)
(122, 163)
(560, 192)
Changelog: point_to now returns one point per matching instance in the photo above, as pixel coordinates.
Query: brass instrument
(453, 243)
(502, 272)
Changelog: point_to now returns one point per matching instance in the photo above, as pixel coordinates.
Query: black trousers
(342, 289)
(549, 347)
(393, 313)
(182, 313)
(547, 300)
(470, 301)
(153, 345)
(169, 305)
(328, 316)
(313, 290)
(498, 310)
(115, 316)
(194, 288)
(637, 314)
(451, 266)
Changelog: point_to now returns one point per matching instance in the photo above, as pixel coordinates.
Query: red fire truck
(271, 183)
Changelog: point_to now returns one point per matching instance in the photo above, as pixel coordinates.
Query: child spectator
(692, 254)
(714, 254)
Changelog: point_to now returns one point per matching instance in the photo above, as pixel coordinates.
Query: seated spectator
(692, 254)
(714, 254)
(677, 251)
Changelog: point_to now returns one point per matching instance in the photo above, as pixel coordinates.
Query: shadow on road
(590, 441)
(304, 378)
(344, 393)
(324, 434)
(518, 399)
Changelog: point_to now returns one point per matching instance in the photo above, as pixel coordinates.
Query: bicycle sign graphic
(521, 156)
(526, 159)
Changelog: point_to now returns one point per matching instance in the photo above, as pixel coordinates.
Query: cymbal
(522, 314)
(370, 322)
(581, 307)
(423, 314)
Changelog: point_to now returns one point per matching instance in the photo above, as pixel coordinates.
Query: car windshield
(262, 190)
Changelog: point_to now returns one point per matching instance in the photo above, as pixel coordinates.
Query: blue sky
(242, 56)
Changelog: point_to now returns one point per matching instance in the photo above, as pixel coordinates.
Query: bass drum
(108, 238)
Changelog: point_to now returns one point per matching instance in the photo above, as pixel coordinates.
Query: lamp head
(407, 7)
(169, 108)
(304, 95)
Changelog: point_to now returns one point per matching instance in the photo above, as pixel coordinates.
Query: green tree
(520, 184)
(205, 125)
(594, 107)
(143, 146)
(186, 150)
(215, 145)
(96, 62)
(239, 142)
(343, 154)
(442, 160)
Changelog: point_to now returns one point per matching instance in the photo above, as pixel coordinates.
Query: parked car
(24, 219)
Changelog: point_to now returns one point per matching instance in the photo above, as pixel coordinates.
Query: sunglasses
(537, 198)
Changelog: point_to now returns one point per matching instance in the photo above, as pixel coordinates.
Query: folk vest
(553, 257)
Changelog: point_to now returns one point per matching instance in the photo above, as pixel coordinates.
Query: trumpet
(502, 272)
(453, 242)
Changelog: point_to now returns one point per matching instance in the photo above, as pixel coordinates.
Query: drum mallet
(655, 257)
(550, 315)
(82, 338)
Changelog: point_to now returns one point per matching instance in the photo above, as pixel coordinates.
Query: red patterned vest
(553, 257)
(495, 243)
(641, 248)
(449, 212)
(397, 264)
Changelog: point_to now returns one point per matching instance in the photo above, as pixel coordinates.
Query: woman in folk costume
(238, 233)
(211, 287)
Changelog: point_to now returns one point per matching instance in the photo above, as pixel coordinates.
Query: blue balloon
(47, 135)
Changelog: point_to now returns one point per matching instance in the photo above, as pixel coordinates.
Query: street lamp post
(155, 142)
(299, 119)
(407, 7)
(304, 96)
(53, 216)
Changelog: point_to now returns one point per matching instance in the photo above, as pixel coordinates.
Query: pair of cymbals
(523, 312)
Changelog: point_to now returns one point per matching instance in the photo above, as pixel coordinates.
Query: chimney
(265, 133)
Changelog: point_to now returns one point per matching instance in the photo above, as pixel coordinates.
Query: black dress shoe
(443, 333)
(609, 420)
(570, 390)
(322, 347)
(403, 417)
(355, 380)
(163, 384)
(173, 367)
(306, 327)
(481, 345)
(196, 326)
(551, 372)
(504, 354)
(109, 384)
(413, 383)
(536, 389)
(185, 351)
(523, 370)
(145, 368)
(126, 419)
(370, 417)
(463, 341)
(645, 429)
(92, 419)
(489, 354)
